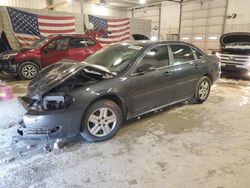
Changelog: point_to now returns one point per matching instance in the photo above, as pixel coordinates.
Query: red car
(27, 62)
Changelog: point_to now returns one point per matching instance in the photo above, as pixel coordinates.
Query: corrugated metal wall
(202, 23)
(73, 6)
(151, 13)
(34, 4)
(164, 15)
(90, 8)
(242, 22)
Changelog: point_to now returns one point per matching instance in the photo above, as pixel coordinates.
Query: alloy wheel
(101, 122)
(29, 71)
(203, 89)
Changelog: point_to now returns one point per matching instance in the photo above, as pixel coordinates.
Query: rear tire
(101, 121)
(28, 70)
(202, 90)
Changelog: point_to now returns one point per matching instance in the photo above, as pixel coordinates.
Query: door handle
(196, 66)
(167, 73)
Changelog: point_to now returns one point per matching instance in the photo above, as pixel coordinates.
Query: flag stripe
(55, 17)
(28, 27)
(118, 20)
(55, 21)
(118, 23)
(56, 24)
(26, 38)
(57, 31)
(119, 35)
(110, 30)
(117, 30)
(56, 28)
(115, 26)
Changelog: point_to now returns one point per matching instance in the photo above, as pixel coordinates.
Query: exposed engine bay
(58, 97)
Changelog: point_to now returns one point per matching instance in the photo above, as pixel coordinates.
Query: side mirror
(145, 68)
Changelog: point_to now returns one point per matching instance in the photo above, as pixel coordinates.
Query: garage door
(202, 22)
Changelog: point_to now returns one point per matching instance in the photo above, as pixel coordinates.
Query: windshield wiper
(100, 69)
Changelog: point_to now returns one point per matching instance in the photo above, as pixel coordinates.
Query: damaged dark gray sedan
(119, 82)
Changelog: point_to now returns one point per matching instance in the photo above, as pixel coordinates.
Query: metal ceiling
(135, 3)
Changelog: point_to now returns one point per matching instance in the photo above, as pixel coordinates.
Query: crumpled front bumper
(8, 66)
(56, 124)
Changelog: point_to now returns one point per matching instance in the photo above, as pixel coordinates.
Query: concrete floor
(205, 145)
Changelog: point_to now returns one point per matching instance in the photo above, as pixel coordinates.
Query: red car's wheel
(28, 70)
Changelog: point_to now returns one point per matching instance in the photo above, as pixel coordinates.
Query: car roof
(147, 43)
(66, 35)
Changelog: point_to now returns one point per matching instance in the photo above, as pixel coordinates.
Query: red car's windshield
(38, 43)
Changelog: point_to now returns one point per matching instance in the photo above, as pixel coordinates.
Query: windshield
(38, 42)
(114, 57)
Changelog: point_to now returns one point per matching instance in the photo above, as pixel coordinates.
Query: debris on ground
(29, 146)
(59, 144)
(47, 148)
(7, 160)
(20, 153)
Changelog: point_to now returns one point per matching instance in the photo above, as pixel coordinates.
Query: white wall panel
(203, 20)
(89, 8)
(151, 13)
(242, 21)
(169, 19)
(35, 4)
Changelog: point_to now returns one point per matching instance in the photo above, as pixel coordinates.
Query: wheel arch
(209, 76)
(115, 98)
(37, 62)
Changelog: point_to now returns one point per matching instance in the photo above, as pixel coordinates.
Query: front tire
(28, 70)
(202, 90)
(101, 121)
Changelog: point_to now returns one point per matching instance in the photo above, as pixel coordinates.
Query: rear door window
(182, 53)
(58, 44)
(90, 42)
(77, 43)
(157, 57)
(198, 54)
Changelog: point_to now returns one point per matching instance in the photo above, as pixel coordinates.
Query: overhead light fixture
(213, 38)
(142, 1)
(198, 38)
(100, 10)
(185, 38)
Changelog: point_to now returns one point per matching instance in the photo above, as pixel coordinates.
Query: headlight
(8, 56)
(218, 54)
(53, 102)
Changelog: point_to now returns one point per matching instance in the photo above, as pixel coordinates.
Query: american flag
(29, 27)
(118, 29)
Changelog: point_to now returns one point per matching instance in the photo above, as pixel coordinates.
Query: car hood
(6, 55)
(234, 37)
(55, 74)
